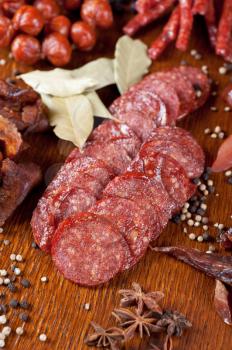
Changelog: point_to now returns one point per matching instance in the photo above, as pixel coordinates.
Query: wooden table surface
(57, 306)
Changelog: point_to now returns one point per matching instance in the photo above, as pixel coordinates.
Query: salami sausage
(89, 175)
(89, 250)
(186, 23)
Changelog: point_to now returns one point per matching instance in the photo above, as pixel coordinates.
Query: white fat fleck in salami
(89, 250)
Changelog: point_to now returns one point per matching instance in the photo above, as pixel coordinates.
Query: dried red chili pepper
(213, 265)
(223, 302)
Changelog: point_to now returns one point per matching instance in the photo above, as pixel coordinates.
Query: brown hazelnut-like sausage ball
(26, 49)
(28, 20)
(97, 13)
(60, 24)
(57, 49)
(83, 35)
(48, 8)
(6, 31)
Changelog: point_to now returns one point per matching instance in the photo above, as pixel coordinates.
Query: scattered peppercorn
(25, 283)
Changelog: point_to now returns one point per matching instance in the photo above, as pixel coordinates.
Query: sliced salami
(186, 141)
(116, 153)
(87, 249)
(110, 129)
(173, 176)
(134, 222)
(177, 151)
(200, 83)
(72, 175)
(131, 185)
(166, 93)
(183, 88)
(144, 102)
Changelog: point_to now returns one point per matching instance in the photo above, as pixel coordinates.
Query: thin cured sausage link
(142, 19)
(186, 23)
(200, 7)
(224, 29)
(210, 18)
(143, 6)
(168, 35)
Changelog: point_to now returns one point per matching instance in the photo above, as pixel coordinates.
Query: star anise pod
(136, 296)
(174, 322)
(144, 323)
(110, 338)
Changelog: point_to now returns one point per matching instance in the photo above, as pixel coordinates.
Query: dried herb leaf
(63, 83)
(223, 302)
(72, 117)
(99, 109)
(131, 62)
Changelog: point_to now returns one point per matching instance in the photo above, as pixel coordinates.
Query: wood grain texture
(57, 307)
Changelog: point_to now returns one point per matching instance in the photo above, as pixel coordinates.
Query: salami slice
(200, 83)
(166, 93)
(140, 101)
(184, 139)
(173, 177)
(183, 88)
(178, 151)
(87, 249)
(88, 177)
(130, 185)
(110, 129)
(116, 153)
(134, 222)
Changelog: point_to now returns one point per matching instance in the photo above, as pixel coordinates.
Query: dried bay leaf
(223, 302)
(99, 109)
(131, 62)
(63, 83)
(72, 117)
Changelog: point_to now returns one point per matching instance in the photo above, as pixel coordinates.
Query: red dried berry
(48, 8)
(57, 49)
(26, 49)
(6, 31)
(83, 35)
(60, 24)
(29, 20)
(97, 13)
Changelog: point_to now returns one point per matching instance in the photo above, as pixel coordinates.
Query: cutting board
(57, 307)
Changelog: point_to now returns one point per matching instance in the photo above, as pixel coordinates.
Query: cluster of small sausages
(217, 15)
(43, 30)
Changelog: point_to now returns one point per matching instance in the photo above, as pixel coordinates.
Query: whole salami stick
(168, 35)
(200, 7)
(210, 19)
(216, 266)
(142, 19)
(224, 29)
(143, 6)
(186, 23)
